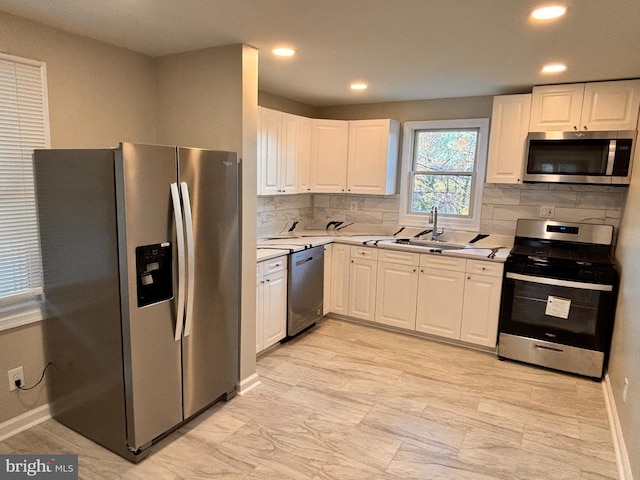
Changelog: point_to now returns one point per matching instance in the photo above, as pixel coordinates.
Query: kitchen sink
(433, 244)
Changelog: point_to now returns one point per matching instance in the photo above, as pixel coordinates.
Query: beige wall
(275, 102)
(439, 109)
(98, 96)
(208, 99)
(625, 350)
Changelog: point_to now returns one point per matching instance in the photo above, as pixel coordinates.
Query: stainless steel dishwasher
(305, 289)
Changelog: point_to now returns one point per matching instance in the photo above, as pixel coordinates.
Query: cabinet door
(611, 105)
(275, 307)
(269, 145)
(556, 107)
(396, 295)
(440, 295)
(326, 291)
(329, 148)
(288, 153)
(304, 155)
(373, 156)
(362, 289)
(508, 142)
(481, 309)
(340, 256)
(259, 313)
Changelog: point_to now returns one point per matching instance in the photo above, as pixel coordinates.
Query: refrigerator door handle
(177, 212)
(188, 223)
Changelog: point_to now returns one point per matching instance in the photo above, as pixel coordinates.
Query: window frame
(28, 307)
(468, 223)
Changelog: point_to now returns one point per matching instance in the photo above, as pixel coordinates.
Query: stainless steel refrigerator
(141, 258)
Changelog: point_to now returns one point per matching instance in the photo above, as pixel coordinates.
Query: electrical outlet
(15, 374)
(547, 212)
(625, 389)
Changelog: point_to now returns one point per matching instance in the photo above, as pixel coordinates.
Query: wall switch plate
(15, 374)
(547, 212)
(625, 389)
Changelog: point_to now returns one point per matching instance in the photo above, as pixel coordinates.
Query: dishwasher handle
(303, 261)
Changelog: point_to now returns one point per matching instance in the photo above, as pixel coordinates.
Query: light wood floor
(345, 401)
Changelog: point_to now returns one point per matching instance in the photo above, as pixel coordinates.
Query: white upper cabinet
(278, 152)
(586, 106)
(611, 105)
(304, 155)
(508, 141)
(372, 163)
(268, 149)
(329, 150)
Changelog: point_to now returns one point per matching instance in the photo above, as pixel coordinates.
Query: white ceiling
(404, 49)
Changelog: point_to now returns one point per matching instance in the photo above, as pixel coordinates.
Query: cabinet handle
(469, 278)
(414, 270)
(585, 127)
(422, 270)
(575, 127)
(483, 268)
(268, 280)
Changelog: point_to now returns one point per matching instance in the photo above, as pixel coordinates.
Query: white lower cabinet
(397, 289)
(339, 288)
(481, 306)
(440, 295)
(326, 291)
(449, 297)
(271, 302)
(362, 283)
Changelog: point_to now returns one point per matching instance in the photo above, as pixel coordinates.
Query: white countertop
(278, 245)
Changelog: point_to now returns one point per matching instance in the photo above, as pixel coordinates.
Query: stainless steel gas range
(559, 296)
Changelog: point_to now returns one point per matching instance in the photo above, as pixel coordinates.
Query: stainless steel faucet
(435, 235)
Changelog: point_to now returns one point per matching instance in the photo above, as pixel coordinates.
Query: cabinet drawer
(364, 252)
(400, 258)
(274, 265)
(480, 267)
(443, 263)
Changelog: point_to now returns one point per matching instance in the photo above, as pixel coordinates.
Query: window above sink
(443, 164)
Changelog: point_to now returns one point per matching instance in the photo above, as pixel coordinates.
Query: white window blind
(24, 126)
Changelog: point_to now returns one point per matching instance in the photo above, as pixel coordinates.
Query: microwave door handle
(611, 157)
(177, 213)
(191, 264)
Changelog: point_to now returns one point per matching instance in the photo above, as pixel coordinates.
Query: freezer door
(210, 354)
(152, 373)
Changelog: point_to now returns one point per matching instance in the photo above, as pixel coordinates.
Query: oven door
(565, 312)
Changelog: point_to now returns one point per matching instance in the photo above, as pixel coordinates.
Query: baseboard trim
(248, 384)
(622, 457)
(25, 421)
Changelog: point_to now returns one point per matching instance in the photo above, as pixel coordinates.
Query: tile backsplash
(502, 205)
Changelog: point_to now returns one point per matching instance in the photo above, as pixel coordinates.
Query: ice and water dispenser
(154, 273)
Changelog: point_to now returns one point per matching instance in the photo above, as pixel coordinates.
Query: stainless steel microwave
(580, 157)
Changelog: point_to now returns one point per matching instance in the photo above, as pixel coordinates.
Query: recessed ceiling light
(548, 12)
(554, 68)
(359, 86)
(284, 52)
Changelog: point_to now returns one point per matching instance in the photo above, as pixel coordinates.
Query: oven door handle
(560, 283)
